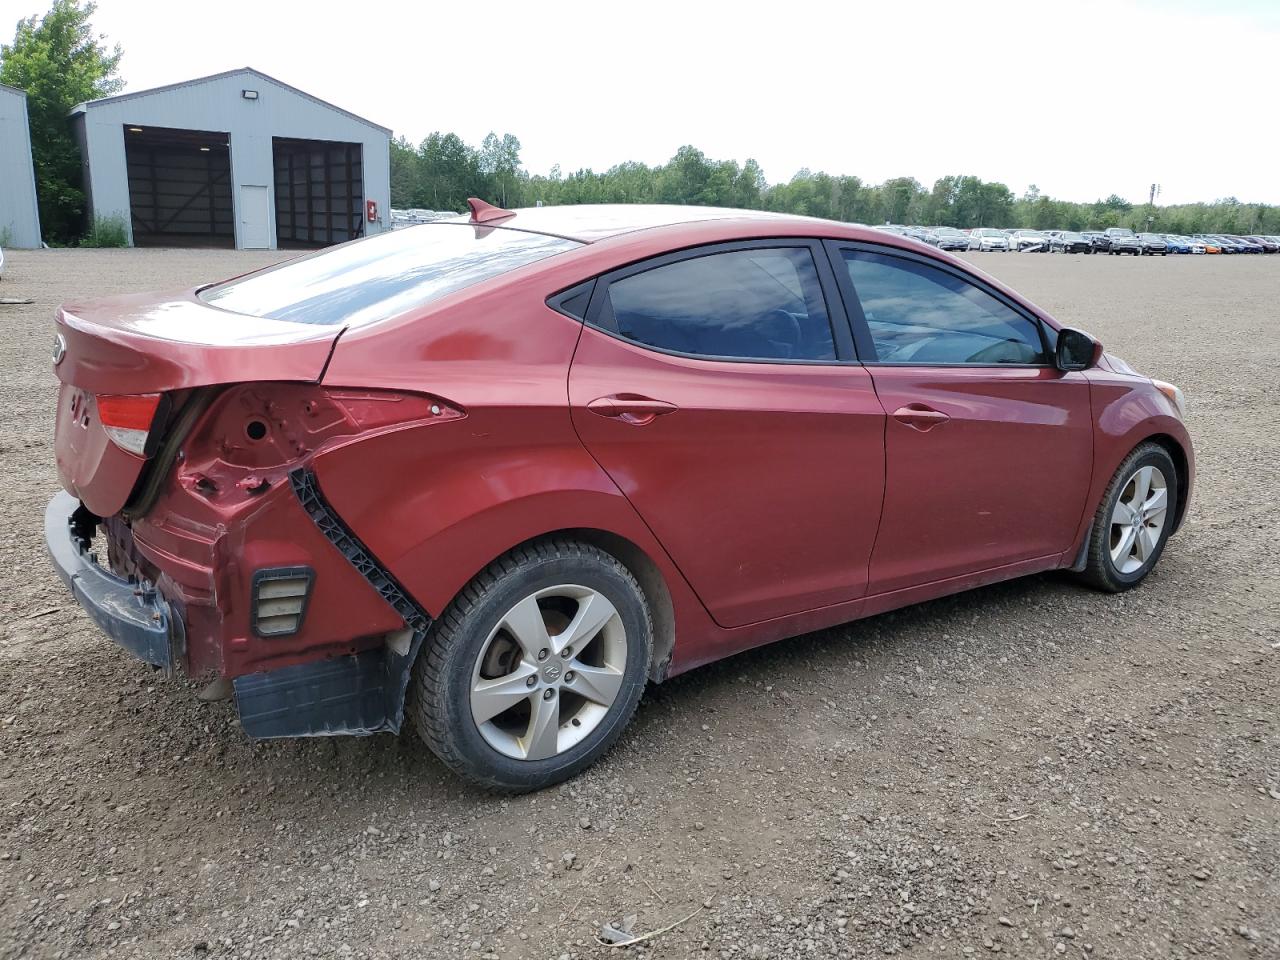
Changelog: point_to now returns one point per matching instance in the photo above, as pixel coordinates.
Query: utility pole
(1151, 205)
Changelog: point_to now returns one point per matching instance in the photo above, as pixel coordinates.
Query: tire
(1109, 565)
(471, 645)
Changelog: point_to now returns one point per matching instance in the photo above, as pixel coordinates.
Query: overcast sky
(1081, 98)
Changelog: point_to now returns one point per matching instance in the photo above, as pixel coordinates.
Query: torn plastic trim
(357, 694)
(307, 489)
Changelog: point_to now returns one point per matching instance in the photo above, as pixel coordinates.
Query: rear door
(715, 389)
(989, 448)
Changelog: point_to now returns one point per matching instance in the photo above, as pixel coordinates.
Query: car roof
(588, 223)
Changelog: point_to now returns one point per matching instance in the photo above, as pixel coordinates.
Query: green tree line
(60, 61)
(442, 171)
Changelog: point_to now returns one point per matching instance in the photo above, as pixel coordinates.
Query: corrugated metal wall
(251, 126)
(19, 216)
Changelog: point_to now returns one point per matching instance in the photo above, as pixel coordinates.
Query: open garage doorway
(319, 192)
(179, 187)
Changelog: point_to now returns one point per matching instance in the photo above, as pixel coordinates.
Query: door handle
(630, 408)
(920, 417)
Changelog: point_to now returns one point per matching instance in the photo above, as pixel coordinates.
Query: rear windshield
(370, 280)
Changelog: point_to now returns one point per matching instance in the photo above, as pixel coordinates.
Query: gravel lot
(1031, 768)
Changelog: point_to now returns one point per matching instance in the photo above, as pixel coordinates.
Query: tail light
(127, 419)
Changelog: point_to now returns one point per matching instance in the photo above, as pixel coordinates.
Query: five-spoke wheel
(1138, 519)
(549, 672)
(1134, 519)
(532, 672)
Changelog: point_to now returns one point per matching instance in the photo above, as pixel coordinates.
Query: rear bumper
(359, 692)
(131, 612)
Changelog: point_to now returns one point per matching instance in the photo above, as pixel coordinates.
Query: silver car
(989, 240)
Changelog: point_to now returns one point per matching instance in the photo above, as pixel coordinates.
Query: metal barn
(237, 159)
(19, 215)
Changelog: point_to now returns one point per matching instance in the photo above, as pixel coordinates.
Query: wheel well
(651, 581)
(1179, 458)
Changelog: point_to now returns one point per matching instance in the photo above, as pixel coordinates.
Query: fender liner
(360, 693)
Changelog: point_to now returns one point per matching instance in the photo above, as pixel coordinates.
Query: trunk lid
(169, 345)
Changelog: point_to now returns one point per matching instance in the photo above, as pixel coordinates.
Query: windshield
(370, 280)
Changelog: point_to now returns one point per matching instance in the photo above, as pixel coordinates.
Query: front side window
(754, 304)
(919, 314)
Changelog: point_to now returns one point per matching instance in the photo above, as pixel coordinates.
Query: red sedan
(501, 471)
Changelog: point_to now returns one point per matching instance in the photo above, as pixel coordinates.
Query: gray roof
(5, 86)
(82, 107)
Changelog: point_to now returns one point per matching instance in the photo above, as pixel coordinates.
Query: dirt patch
(1031, 768)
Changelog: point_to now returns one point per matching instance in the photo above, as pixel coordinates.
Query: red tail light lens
(127, 419)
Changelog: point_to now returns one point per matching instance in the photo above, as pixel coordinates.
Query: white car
(1028, 240)
(987, 239)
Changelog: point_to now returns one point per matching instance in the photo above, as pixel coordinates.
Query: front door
(713, 388)
(989, 448)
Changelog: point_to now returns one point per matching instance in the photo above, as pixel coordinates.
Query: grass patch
(106, 232)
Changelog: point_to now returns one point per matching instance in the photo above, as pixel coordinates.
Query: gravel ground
(1031, 768)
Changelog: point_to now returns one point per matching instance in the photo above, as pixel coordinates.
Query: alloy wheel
(1138, 519)
(548, 672)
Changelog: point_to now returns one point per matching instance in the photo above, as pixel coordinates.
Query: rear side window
(370, 280)
(754, 304)
(918, 314)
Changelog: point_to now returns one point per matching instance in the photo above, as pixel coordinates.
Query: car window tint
(920, 314)
(757, 304)
(370, 280)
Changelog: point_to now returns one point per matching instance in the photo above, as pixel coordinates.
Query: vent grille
(280, 600)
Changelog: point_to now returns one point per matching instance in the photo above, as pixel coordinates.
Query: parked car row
(1114, 240)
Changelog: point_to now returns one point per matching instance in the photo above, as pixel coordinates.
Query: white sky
(1081, 98)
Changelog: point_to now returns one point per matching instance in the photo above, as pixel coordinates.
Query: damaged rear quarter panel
(229, 511)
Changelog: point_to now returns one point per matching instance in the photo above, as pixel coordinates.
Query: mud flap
(359, 694)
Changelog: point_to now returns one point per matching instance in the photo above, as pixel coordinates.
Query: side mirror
(1076, 350)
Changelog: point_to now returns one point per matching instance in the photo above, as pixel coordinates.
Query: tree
(445, 170)
(59, 61)
(448, 173)
(500, 162)
(404, 172)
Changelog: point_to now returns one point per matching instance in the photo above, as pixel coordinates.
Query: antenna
(482, 212)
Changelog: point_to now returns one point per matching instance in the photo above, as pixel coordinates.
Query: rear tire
(533, 671)
(1134, 520)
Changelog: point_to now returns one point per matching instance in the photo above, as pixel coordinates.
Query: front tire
(1133, 521)
(533, 671)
